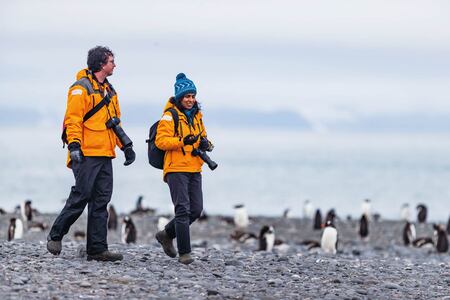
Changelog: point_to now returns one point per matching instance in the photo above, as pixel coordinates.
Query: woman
(182, 169)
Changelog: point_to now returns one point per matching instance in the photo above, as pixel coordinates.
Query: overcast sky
(328, 60)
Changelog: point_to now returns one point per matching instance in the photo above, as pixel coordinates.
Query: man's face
(108, 68)
(188, 101)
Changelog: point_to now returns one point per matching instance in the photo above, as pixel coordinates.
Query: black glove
(76, 154)
(130, 155)
(206, 145)
(190, 139)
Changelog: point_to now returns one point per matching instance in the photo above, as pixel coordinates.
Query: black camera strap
(105, 101)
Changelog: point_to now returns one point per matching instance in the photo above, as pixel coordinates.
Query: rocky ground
(381, 268)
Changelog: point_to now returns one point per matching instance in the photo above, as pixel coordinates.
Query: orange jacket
(95, 139)
(178, 157)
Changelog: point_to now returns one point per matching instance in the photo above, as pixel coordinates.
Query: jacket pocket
(95, 139)
(178, 160)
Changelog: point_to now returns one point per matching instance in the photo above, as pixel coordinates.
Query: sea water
(268, 170)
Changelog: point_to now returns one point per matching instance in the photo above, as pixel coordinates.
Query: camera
(114, 124)
(211, 164)
(205, 144)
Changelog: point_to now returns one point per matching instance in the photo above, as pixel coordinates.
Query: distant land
(138, 115)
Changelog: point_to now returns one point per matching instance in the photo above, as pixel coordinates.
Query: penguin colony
(266, 238)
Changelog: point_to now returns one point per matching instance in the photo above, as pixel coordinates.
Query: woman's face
(188, 101)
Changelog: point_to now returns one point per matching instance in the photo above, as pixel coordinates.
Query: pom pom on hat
(181, 75)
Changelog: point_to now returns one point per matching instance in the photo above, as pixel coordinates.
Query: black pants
(93, 186)
(187, 197)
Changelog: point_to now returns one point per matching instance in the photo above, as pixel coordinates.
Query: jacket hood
(171, 104)
(83, 73)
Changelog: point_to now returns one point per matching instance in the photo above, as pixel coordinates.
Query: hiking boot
(186, 258)
(166, 242)
(105, 256)
(54, 247)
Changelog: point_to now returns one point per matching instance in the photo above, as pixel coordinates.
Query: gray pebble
(275, 281)
(17, 281)
(296, 277)
(392, 286)
(85, 284)
(235, 263)
(361, 291)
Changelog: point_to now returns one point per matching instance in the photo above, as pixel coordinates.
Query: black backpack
(156, 155)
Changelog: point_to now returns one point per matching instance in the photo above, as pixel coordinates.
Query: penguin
(15, 229)
(308, 209)
(17, 210)
(79, 235)
(11, 228)
(365, 207)
(423, 241)
(409, 233)
(139, 206)
(405, 213)
(442, 240)
(241, 220)
(266, 238)
(129, 233)
(287, 213)
(140, 209)
(376, 217)
(112, 218)
(310, 244)
(421, 213)
(242, 236)
(329, 241)
(331, 216)
(37, 226)
(226, 220)
(448, 226)
(26, 211)
(317, 220)
(203, 217)
(364, 227)
(162, 222)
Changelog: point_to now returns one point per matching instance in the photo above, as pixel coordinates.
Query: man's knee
(195, 214)
(182, 211)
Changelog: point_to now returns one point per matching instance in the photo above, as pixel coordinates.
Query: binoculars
(114, 124)
(211, 164)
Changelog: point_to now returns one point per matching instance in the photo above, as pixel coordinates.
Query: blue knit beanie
(184, 86)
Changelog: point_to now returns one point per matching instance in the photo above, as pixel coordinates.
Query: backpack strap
(105, 101)
(86, 84)
(176, 119)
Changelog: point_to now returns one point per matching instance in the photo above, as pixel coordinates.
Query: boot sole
(187, 262)
(103, 259)
(54, 252)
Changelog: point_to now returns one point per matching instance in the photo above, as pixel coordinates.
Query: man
(92, 131)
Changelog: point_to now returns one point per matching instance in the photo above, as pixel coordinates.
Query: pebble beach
(380, 268)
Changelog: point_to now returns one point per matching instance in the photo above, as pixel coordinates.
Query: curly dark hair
(97, 57)
(177, 103)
